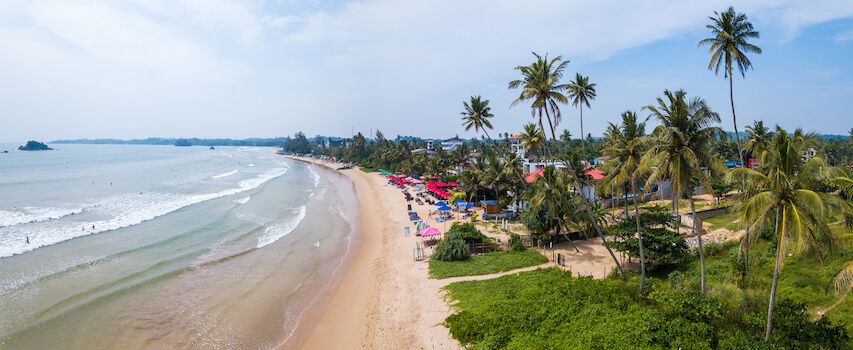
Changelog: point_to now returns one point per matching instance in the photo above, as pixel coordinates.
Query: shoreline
(385, 299)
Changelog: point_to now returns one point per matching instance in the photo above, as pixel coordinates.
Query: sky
(237, 69)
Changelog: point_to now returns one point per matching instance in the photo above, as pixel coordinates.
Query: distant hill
(256, 142)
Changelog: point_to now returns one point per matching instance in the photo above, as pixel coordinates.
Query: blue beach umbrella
(440, 204)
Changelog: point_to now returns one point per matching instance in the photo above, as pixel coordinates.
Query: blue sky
(222, 68)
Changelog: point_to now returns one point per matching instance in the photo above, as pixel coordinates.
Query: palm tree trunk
(740, 155)
(639, 238)
(588, 204)
(677, 218)
(698, 231)
(583, 144)
(779, 252)
(625, 196)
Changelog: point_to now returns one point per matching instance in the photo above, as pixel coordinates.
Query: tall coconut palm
(729, 47)
(682, 149)
(581, 92)
(626, 149)
(541, 84)
(851, 135)
(782, 197)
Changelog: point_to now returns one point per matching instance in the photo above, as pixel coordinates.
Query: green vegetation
(492, 262)
(661, 244)
(793, 204)
(451, 248)
(549, 309)
(515, 242)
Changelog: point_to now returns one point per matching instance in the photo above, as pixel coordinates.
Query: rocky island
(34, 146)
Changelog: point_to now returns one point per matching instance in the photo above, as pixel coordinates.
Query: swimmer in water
(28, 239)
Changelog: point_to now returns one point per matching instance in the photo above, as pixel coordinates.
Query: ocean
(153, 247)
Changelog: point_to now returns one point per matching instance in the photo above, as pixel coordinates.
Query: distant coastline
(256, 142)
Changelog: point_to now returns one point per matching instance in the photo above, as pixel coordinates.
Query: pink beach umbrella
(432, 231)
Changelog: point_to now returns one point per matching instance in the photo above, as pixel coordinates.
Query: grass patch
(727, 221)
(367, 169)
(485, 264)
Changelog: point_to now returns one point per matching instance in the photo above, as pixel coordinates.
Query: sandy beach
(386, 299)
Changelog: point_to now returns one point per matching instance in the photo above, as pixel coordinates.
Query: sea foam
(124, 210)
(280, 229)
(33, 214)
(224, 174)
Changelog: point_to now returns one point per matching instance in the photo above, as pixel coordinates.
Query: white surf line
(224, 174)
(349, 243)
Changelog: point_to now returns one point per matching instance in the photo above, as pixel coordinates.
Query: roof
(530, 177)
(515, 137)
(595, 174)
(452, 139)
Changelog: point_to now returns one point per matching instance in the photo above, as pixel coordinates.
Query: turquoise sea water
(122, 246)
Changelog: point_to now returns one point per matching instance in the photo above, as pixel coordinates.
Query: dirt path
(450, 280)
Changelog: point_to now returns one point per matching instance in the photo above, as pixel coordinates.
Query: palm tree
(476, 115)
(729, 46)
(758, 138)
(552, 190)
(566, 136)
(581, 92)
(851, 135)
(683, 147)
(541, 84)
(782, 192)
(627, 145)
(532, 138)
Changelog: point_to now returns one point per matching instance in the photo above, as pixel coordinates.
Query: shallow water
(191, 248)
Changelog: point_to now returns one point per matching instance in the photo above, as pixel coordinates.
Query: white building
(808, 154)
(517, 146)
(450, 144)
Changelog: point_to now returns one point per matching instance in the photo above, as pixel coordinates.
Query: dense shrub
(515, 242)
(659, 243)
(451, 248)
(467, 232)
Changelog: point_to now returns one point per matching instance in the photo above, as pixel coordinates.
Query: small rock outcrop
(34, 146)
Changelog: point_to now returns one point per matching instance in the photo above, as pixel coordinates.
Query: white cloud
(373, 60)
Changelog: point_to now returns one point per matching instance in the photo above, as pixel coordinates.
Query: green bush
(467, 232)
(451, 248)
(515, 242)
